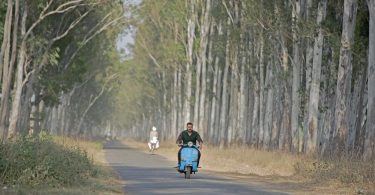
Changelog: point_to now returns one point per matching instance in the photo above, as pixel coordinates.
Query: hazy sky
(126, 38)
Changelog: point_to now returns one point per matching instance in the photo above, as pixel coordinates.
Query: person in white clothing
(153, 139)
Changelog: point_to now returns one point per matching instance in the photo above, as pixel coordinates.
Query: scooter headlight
(190, 144)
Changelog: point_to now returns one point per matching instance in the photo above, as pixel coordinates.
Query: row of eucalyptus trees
(295, 75)
(56, 67)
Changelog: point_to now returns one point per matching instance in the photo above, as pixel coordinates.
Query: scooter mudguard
(189, 157)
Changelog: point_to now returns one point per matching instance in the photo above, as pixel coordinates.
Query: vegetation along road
(276, 89)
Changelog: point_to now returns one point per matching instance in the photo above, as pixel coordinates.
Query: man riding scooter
(187, 136)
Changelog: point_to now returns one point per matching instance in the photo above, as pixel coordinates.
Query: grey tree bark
(369, 149)
(309, 41)
(269, 107)
(6, 35)
(20, 68)
(242, 103)
(360, 124)
(261, 91)
(344, 76)
(313, 112)
(7, 73)
(213, 62)
(296, 101)
(285, 121)
(174, 105)
(224, 97)
(233, 98)
(205, 28)
(189, 64)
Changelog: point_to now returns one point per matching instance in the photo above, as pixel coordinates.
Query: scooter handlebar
(182, 145)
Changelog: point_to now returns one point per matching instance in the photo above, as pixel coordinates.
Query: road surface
(144, 173)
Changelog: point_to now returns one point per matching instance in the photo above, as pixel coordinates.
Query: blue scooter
(189, 159)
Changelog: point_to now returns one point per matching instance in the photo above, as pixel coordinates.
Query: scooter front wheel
(187, 172)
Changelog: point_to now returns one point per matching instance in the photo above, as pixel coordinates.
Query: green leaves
(37, 161)
(53, 57)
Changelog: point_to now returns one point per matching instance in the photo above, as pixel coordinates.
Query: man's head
(189, 126)
(154, 128)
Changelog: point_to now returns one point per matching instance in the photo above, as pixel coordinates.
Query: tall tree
(189, 55)
(312, 133)
(205, 27)
(369, 147)
(344, 77)
(7, 70)
(296, 100)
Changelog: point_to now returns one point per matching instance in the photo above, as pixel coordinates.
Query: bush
(37, 160)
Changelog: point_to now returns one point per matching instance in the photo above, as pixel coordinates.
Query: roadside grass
(353, 175)
(55, 165)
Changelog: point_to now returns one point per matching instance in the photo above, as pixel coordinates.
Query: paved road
(152, 174)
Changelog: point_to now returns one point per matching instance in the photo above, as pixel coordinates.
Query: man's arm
(179, 139)
(200, 141)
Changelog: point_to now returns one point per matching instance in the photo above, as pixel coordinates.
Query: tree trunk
(7, 73)
(180, 118)
(204, 41)
(174, 105)
(296, 102)
(242, 103)
(360, 128)
(91, 103)
(189, 64)
(219, 88)
(308, 67)
(224, 97)
(269, 107)
(164, 110)
(233, 98)
(309, 50)
(369, 148)
(313, 112)
(19, 74)
(277, 110)
(214, 97)
(6, 36)
(54, 120)
(344, 77)
(285, 121)
(261, 92)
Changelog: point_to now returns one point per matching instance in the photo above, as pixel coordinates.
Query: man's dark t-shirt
(185, 137)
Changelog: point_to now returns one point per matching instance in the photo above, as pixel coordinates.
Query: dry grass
(245, 160)
(352, 173)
